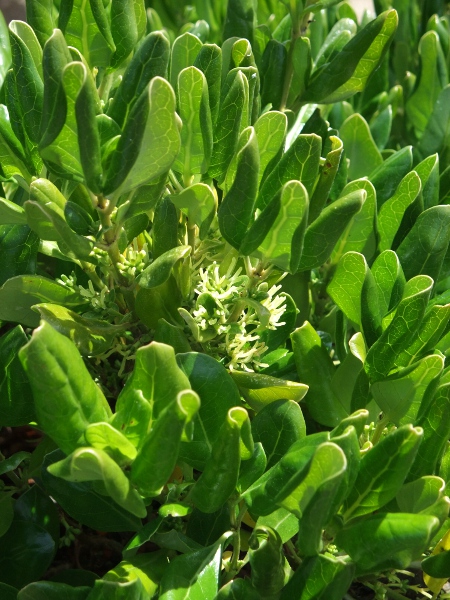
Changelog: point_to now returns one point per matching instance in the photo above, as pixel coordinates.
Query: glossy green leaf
(237, 207)
(19, 247)
(209, 61)
(389, 279)
(301, 162)
(322, 235)
(103, 436)
(319, 577)
(282, 521)
(437, 565)
(266, 560)
(428, 171)
(8, 591)
(391, 540)
(118, 590)
(148, 391)
(431, 330)
(84, 30)
(419, 495)
(158, 272)
(218, 394)
(49, 590)
(68, 378)
(219, 478)
(228, 127)
(147, 567)
(399, 395)
(277, 426)
(184, 52)
(380, 127)
(240, 19)
(424, 248)
(349, 71)
(432, 79)
(199, 204)
(85, 504)
(193, 575)
(41, 18)
(393, 210)
(259, 389)
(237, 589)
(273, 70)
(13, 158)
(90, 336)
(90, 464)
(436, 431)
(142, 537)
(387, 176)
(409, 314)
(345, 378)
(128, 25)
(383, 470)
(196, 133)
(316, 370)
(5, 54)
(252, 468)
(359, 146)
(28, 37)
(346, 286)
(326, 178)
(159, 452)
(270, 131)
(149, 143)
(19, 294)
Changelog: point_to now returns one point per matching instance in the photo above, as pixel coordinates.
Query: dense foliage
(224, 301)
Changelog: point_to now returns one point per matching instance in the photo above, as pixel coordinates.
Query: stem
(236, 525)
(104, 209)
(292, 552)
(105, 86)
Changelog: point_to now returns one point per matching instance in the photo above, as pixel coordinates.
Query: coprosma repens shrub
(224, 302)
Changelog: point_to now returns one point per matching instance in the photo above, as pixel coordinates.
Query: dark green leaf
(387, 176)
(48, 590)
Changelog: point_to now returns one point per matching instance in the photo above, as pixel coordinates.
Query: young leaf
(67, 400)
(89, 464)
(259, 389)
(199, 203)
(184, 52)
(383, 470)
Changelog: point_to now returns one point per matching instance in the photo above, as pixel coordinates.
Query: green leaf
(19, 294)
(185, 50)
(428, 171)
(424, 248)
(283, 244)
(408, 316)
(273, 69)
(148, 568)
(85, 28)
(237, 589)
(380, 127)
(85, 504)
(322, 235)
(118, 590)
(349, 71)
(218, 394)
(5, 53)
(90, 464)
(19, 247)
(252, 468)
(389, 279)
(266, 560)
(142, 537)
(8, 592)
(383, 470)
(7, 512)
(311, 497)
(207, 528)
(319, 577)
(432, 79)
(431, 330)
(437, 565)
(28, 37)
(237, 207)
(158, 454)
(13, 158)
(391, 541)
(270, 131)
(386, 177)
(199, 204)
(49, 590)
(106, 438)
(196, 133)
(346, 287)
(316, 370)
(148, 391)
(436, 430)
(259, 389)
(277, 426)
(419, 495)
(240, 19)
(150, 140)
(283, 521)
(158, 272)
(220, 475)
(393, 210)
(399, 396)
(90, 336)
(150, 60)
(301, 162)
(228, 126)
(128, 25)
(359, 146)
(66, 377)
(209, 61)
(326, 178)
(16, 398)
(40, 17)
(194, 575)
